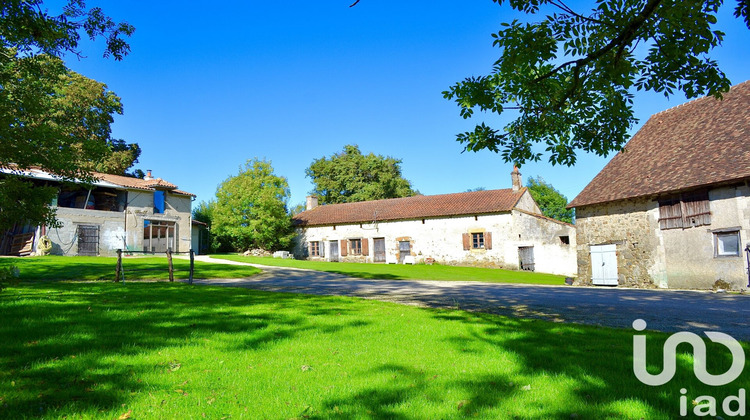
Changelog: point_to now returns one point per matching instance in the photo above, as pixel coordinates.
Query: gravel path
(663, 310)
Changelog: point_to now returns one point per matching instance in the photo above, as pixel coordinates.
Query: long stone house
(116, 212)
(496, 228)
(672, 209)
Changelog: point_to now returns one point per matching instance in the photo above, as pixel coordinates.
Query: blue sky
(208, 86)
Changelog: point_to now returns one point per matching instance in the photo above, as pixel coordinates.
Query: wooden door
(334, 251)
(404, 250)
(378, 245)
(526, 258)
(604, 265)
(88, 240)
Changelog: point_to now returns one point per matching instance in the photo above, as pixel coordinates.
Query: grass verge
(169, 350)
(103, 268)
(407, 272)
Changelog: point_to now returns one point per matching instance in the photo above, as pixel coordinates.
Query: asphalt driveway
(663, 310)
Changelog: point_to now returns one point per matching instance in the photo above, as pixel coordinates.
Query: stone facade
(648, 256)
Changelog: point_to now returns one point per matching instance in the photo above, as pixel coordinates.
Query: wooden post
(169, 260)
(192, 265)
(118, 266)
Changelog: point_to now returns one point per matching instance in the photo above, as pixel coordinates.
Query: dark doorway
(88, 240)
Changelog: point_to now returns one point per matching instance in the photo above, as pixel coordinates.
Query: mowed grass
(407, 272)
(103, 268)
(170, 350)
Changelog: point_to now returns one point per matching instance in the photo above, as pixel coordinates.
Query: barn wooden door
(604, 265)
(404, 250)
(88, 240)
(526, 258)
(334, 254)
(378, 245)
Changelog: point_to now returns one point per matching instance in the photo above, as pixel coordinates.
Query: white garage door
(604, 265)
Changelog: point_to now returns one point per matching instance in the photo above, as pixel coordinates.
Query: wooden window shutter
(344, 244)
(487, 240)
(365, 247)
(467, 241)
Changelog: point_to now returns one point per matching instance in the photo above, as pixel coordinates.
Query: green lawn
(103, 268)
(170, 350)
(407, 272)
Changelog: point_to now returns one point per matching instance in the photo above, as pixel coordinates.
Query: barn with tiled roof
(672, 209)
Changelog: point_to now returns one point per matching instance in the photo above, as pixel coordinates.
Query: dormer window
(159, 201)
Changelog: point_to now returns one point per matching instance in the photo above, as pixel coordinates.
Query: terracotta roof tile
(700, 143)
(141, 184)
(417, 207)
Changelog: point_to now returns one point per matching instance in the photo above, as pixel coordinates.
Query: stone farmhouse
(116, 212)
(497, 228)
(672, 209)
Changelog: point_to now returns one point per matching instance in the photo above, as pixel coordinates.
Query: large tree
(569, 78)
(251, 209)
(550, 201)
(350, 176)
(51, 117)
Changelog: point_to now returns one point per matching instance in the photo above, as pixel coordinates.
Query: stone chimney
(312, 202)
(515, 177)
(148, 176)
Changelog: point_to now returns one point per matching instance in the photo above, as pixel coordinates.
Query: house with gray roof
(496, 228)
(672, 209)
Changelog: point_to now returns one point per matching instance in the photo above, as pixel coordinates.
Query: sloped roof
(105, 180)
(700, 143)
(417, 207)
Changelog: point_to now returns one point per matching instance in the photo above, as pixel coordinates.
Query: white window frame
(719, 252)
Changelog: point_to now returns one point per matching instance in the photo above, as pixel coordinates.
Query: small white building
(116, 212)
(495, 228)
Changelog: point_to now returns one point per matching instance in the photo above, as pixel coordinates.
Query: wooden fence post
(169, 260)
(192, 265)
(118, 266)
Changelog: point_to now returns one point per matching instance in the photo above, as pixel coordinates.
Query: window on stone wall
(685, 211)
(477, 240)
(355, 246)
(565, 240)
(727, 243)
(315, 249)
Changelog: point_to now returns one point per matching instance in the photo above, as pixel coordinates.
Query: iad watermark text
(704, 405)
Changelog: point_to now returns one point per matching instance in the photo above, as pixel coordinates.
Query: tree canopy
(50, 116)
(550, 201)
(350, 176)
(570, 77)
(251, 209)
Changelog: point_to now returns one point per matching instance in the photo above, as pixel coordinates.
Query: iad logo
(706, 404)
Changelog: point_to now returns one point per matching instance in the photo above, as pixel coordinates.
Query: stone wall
(682, 258)
(630, 225)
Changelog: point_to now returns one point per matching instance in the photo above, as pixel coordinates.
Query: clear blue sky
(209, 85)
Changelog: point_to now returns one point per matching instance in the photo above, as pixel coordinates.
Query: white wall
(441, 239)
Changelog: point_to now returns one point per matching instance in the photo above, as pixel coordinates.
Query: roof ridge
(692, 101)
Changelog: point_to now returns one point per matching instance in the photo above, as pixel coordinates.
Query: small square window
(565, 239)
(727, 244)
(477, 240)
(356, 246)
